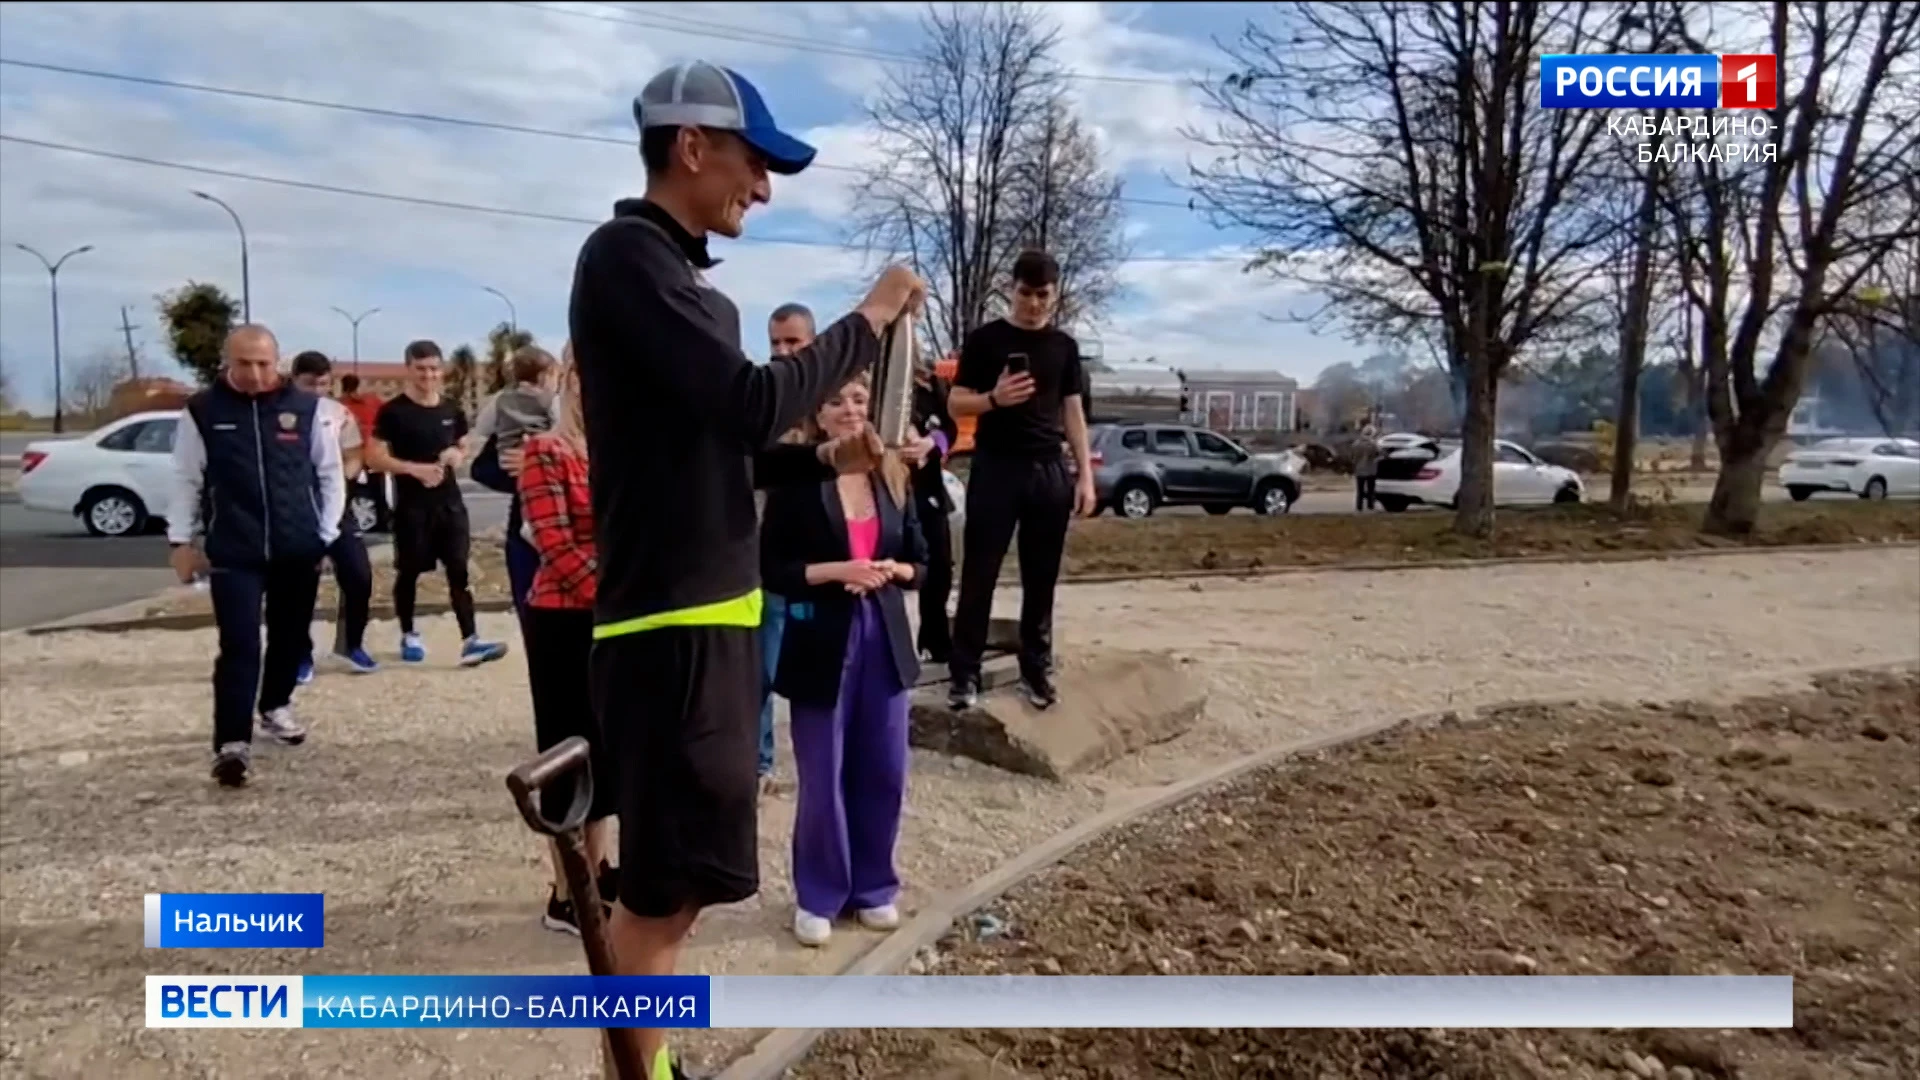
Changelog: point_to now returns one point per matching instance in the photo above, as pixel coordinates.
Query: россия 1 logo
(1648, 81)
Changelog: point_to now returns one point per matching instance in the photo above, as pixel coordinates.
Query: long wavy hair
(894, 471)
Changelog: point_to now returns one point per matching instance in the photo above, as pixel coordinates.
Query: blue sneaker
(305, 674)
(475, 651)
(357, 661)
(412, 649)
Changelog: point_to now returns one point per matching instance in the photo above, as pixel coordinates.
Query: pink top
(863, 537)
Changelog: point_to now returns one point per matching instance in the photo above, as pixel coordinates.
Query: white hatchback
(1427, 471)
(1869, 468)
(115, 480)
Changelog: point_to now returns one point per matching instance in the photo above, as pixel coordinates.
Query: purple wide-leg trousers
(852, 764)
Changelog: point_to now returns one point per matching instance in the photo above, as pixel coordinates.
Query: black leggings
(1363, 493)
(559, 646)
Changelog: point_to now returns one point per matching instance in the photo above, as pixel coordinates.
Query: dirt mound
(1767, 836)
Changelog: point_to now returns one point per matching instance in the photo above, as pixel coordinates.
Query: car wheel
(1135, 500)
(114, 512)
(1274, 499)
(1568, 494)
(1876, 489)
(1799, 493)
(1219, 511)
(1393, 504)
(366, 513)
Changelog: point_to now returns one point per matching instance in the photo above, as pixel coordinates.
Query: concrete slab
(1112, 703)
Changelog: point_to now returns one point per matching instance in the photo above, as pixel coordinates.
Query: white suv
(115, 480)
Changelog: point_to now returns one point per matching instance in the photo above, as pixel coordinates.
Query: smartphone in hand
(1017, 363)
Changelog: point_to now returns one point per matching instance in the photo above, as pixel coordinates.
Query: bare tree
(90, 385)
(980, 155)
(1393, 157)
(1062, 201)
(1782, 234)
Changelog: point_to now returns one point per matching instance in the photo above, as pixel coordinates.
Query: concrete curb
(781, 1050)
(122, 618)
(1378, 565)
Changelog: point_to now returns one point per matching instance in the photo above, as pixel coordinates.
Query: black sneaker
(560, 915)
(1039, 691)
(963, 693)
(608, 882)
(232, 763)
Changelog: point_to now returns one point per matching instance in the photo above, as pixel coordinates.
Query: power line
(475, 208)
(733, 32)
(404, 114)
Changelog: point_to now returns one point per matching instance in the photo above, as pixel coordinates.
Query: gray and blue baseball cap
(699, 94)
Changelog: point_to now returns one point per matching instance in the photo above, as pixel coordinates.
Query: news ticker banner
(1000, 1001)
(235, 921)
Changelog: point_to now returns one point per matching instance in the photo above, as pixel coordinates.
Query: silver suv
(1140, 467)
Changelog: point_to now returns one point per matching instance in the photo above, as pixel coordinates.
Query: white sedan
(1869, 468)
(1416, 470)
(115, 480)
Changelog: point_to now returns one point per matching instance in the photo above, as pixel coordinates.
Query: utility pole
(133, 354)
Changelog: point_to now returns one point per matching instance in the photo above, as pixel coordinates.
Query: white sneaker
(884, 917)
(812, 930)
(282, 726)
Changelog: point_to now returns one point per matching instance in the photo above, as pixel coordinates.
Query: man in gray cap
(681, 428)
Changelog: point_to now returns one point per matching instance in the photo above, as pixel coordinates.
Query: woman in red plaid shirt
(556, 623)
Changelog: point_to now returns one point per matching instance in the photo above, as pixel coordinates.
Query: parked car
(116, 480)
(1140, 467)
(1869, 468)
(1421, 471)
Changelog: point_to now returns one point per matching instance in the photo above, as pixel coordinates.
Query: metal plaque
(891, 406)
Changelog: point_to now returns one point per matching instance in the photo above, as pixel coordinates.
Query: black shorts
(428, 535)
(559, 646)
(680, 709)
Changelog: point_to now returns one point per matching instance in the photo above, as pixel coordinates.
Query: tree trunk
(1734, 509)
(1473, 513)
(1633, 341)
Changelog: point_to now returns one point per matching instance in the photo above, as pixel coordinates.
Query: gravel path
(397, 811)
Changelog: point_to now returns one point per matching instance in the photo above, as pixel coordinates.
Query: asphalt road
(51, 569)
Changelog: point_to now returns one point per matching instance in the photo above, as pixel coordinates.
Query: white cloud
(425, 266)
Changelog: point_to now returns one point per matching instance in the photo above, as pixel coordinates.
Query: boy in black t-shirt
(1022, 378)
(416, 438)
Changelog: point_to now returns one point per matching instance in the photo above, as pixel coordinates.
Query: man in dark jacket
(936, 503)
(680, 430)
(259, 477)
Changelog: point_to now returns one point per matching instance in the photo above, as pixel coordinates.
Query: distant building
(382, 380)
(144, 394)
(1242, 401)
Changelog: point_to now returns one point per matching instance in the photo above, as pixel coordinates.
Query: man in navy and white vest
(259, 480)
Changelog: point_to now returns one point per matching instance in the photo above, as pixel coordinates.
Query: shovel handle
(528, 779)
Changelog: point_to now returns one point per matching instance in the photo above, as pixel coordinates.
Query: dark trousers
(353, 579)
(241, 681)
(1363, 493)
(936, 632)
(1005, 495)
(559, 646)
(425, 535)
(523, 559)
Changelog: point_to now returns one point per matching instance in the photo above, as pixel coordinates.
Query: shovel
(620, 1047)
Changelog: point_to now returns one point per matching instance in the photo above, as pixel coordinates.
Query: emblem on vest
(289, 421)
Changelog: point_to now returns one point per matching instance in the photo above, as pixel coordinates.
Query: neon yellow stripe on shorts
(739, 611)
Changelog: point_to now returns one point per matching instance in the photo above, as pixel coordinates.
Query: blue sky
(1186, 300)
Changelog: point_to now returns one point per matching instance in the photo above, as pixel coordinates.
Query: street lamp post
(355, 320)
(246, 284)
(513, 317)
(53, 286)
